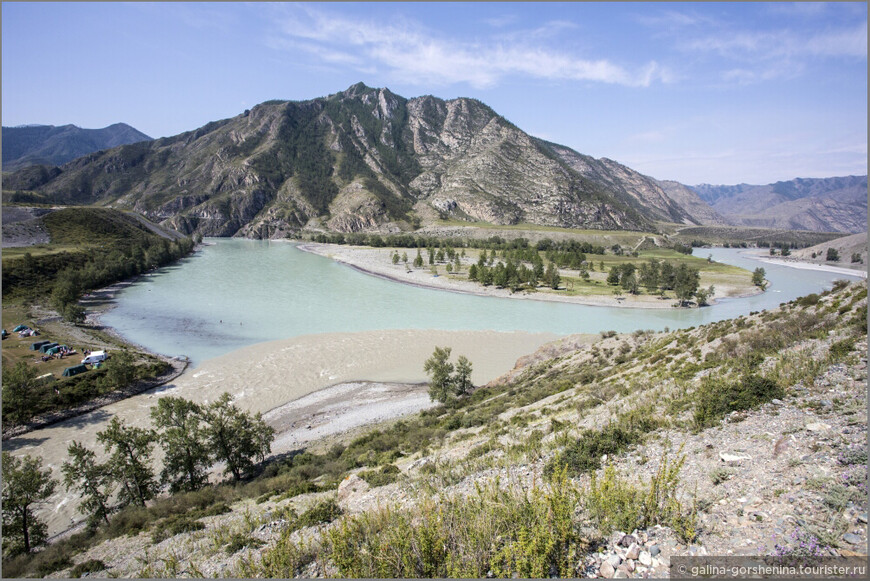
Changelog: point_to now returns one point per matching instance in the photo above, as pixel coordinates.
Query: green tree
(703, 295)
(758, 277)
(832, 255)
(686, 282)
(472, 272)
(462, 380)
(418, 260)
(19, 391)
(120, 369)
(395, 258)
(439, 370)
(236, 437)
(129, 449)
(182, 434)
(93, 481)
(551, 277)
(25, 486)
(73, 313)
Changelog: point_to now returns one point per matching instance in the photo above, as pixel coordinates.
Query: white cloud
(414, 55)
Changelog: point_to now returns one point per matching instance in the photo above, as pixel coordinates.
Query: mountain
(836, 204)
(49, 145)
(360, 159)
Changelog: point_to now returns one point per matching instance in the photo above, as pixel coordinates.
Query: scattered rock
(733, 458)
(853, 539)
(818, 427)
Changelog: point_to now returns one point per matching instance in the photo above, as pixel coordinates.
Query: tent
(46, 347)
(20, 328)
(5, 333)
(38, 344)
(70, 371)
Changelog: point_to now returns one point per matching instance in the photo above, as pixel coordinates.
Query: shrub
(385, 475)
(616, 504)
(716, 398)
(840, 349)
(89, 566)
(321, 513)
(585, 453)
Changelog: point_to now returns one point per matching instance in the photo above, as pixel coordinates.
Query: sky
(719, 93)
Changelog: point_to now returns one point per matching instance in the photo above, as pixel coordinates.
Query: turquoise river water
(233, 293)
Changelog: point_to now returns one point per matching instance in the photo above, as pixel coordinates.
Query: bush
(585, 453)
(89, 566)
(616, 504)
(716, 398)
(840, 349)
(385, 475)
(321, 513)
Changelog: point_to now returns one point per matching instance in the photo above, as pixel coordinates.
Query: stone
(627, 540)
(654, 550)
(620, 574)
(633, 552)
(862, 517)
(817, 427)
(614, 560)
(729, 458)
(350, 488)
(645, 558)
(606, 570)
(853, 539)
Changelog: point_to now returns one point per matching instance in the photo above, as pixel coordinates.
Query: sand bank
(376, 262)
(267, 376)
(798, 263)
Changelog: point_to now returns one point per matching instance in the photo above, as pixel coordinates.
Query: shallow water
(233, 293)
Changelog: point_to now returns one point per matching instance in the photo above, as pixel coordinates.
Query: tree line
(65, 276)
(657, 277)
(193, 437)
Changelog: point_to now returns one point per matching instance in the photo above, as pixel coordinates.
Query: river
(234, 293)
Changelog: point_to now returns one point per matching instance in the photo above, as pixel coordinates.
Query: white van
(95, 357)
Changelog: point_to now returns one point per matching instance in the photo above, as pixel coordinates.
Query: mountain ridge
(362, 159)
(835, 204)
(36, 144)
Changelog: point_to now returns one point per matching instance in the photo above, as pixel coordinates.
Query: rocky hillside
(823, 205)
(362, 159)
(741, 437)
(50, 145)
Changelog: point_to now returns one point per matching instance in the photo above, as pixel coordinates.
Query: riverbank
(376, 262)
(803, 264)
(268, 376)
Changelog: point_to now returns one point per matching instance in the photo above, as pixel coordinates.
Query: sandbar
(266, 376)
(375, 261)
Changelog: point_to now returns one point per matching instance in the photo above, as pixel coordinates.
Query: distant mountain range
(49, 145)
(363, 159)
(836, 204)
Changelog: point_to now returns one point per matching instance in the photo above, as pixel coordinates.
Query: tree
(551, 277)
(686, 282)
(832, 255)
(129, 463)
(236, 437)
(395, 257)
(120, 369)
(758, 277)
(438, 368)
(418, 260)
(19, 385)
(183, 438)
(462, 381)
(25, 485)
(91, 480)
(73, 313)
(703, 295)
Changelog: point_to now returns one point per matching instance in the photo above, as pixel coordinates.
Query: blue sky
(717, 93)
